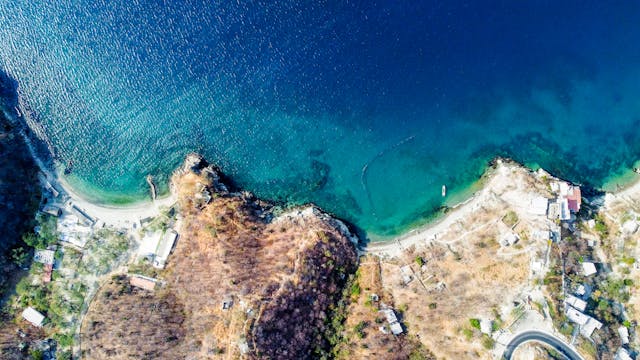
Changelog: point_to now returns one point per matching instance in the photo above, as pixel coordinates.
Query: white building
(575, 302)
(33, 316)
(539, 206)
(623, 354)
(392, 319)
(509, 239)
(164, 248)
(44, 256)
(149, 245)
(587, 324)
(624, 334)
(589, 268)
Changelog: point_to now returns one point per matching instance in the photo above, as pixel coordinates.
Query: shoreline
(395, 246)
(122, 216)
(125, 215)
(117, 215)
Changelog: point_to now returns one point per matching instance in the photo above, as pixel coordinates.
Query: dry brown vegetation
(363, 339)
(283, 277)
(128, 315)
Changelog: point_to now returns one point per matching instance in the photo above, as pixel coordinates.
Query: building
(624, 334)
(44, 256)
(574, 198)
(392, 319)
(164, 248)
(509, 239)
(630, 227)
(48, 272)
(52, 210)
(143, 282)
(33, 316)
(623, 354)
(589, 268)
(149, 245)
(82, 216)
(407, 274)
(587, 324)
(575, 302)
(564, 213)
(539, 206)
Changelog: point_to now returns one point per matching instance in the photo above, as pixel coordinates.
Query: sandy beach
(121, 215)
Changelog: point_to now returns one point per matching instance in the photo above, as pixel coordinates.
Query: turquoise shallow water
(364, 109)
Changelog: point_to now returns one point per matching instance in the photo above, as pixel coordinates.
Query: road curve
(541, 337)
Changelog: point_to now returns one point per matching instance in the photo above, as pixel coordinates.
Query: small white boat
(444, 190)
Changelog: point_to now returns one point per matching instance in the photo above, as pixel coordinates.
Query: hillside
(241, 280)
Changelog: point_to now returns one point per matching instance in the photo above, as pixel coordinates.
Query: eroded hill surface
(248, 283)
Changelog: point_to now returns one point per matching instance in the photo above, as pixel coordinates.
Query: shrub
(419, 261)
(487, 342)
(475, 323)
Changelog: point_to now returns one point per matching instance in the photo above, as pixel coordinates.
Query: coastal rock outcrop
(252, 283)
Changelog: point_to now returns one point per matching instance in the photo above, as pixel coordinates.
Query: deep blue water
(365, 108)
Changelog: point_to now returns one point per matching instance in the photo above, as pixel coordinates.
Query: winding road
(541, 337)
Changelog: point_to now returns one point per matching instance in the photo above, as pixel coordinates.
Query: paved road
(541, 337)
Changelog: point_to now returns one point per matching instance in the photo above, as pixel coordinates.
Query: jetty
(152, 186)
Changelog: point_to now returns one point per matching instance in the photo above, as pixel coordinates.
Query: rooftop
(33, 316)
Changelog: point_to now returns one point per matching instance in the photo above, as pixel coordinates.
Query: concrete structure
(589, 268)
(539, 206)
(579, 304)
(33, 316)
(164, 248)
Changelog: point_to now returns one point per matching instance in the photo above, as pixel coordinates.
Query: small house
(47, 273)
(52, 210)
(589, 268)
(623, 354)
(587, 324)
(509, 239)
(624, 334)
(33, 316)
(575, 302)
(407, 274)
(227, 303)
(143, 282)
(44, 256)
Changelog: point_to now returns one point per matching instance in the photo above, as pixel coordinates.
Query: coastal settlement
(527, 252)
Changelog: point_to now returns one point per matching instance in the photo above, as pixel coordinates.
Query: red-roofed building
(48, 271)
(574, 198)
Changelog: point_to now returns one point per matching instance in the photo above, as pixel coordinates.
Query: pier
(152, 186)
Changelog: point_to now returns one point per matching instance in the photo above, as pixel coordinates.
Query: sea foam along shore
(494, 178)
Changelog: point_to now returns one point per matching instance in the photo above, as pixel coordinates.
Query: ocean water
(365, 108)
